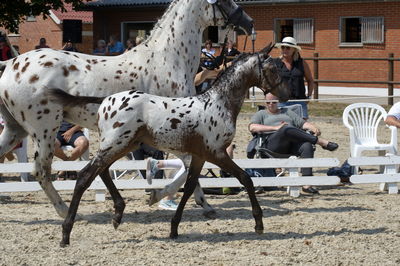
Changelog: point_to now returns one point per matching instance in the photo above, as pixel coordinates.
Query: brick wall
(326, 38)
(31, 32)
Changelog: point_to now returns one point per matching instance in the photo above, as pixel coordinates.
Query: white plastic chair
(362, 119)
(85, 155)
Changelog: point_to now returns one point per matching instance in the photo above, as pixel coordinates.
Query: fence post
(316, 75)
(390, 78)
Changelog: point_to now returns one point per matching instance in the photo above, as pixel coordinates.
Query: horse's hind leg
(119, 204)
(42, 171)
(85, 178)
(191, 182)
(12, 133)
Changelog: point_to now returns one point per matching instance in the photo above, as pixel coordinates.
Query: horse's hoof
(64, 244)
(173, 235)
(210, 214)
(115, 224)
(153, 197)
(260, 231)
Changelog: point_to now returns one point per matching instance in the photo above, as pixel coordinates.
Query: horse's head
(271, 81)
(227, 12)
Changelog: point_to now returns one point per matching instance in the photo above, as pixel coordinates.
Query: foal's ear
(267, 49)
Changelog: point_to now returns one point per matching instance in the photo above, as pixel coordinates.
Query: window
(30, 18)
(131, 30)
(301, 29)
(217, 34)
(360, 30)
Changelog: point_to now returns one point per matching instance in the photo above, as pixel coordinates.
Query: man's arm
(392, 121)
(258, 128)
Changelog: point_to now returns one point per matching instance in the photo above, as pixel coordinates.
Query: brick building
(52, 29)
(331, 28)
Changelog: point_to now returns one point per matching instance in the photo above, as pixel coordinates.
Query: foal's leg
(85, 178)
(119, 204)
(228, 165)
(194, 170)
(201, 200)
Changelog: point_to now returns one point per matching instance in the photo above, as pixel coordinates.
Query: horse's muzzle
(239, 18)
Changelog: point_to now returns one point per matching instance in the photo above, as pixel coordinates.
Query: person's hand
(67, 135)
(281, 125)
(316, 131)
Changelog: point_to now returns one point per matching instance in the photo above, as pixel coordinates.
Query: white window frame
(366, 37)
(297, 23)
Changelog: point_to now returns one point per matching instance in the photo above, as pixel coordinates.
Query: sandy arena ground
(346, 225)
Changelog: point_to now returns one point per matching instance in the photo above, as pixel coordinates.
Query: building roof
(136, 3)
(120, 3)
(85, 16)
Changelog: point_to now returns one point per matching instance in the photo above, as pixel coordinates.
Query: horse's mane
(224, 74)
(166, 13)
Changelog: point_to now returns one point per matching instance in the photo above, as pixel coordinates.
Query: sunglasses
(271, 102)
(286, 47)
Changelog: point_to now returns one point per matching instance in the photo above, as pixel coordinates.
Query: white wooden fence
(388, 179)
(294, 181)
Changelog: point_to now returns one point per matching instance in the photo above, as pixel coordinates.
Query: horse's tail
(66, 99)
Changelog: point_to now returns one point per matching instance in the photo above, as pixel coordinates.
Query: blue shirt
(116, 48)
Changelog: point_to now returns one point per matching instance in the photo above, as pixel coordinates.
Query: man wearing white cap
(294, 70)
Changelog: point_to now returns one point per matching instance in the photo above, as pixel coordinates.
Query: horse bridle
(260, 68)
(228, 17)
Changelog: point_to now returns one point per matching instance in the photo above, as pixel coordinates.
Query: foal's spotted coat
(202, 126)
(165, 64)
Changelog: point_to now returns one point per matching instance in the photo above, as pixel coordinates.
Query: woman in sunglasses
(294, 70)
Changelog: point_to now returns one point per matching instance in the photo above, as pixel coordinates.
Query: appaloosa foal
(202, 126)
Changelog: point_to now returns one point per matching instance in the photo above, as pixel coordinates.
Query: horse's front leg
(192, 179)
(85, 178)
(119, 204)
(228, 165)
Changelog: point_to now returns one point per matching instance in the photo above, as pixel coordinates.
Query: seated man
(393, 116)
(287, 133)
(72, 135)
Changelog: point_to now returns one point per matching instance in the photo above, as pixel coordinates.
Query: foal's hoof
(64, 244)
(260, 231)
(115, 224)
(210, 214)
(173, 235)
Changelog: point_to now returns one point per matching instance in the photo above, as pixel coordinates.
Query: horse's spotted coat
(203, 130)
(172, 47)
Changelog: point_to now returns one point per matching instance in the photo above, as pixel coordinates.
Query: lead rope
(244, 46)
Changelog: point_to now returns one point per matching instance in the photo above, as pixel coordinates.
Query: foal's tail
(66, 99)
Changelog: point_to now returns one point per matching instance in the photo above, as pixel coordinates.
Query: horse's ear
(267, 49)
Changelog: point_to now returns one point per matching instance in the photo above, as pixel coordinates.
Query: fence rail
(390, 80)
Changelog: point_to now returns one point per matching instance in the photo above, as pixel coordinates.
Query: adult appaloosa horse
(202, 126)
(165, 64)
